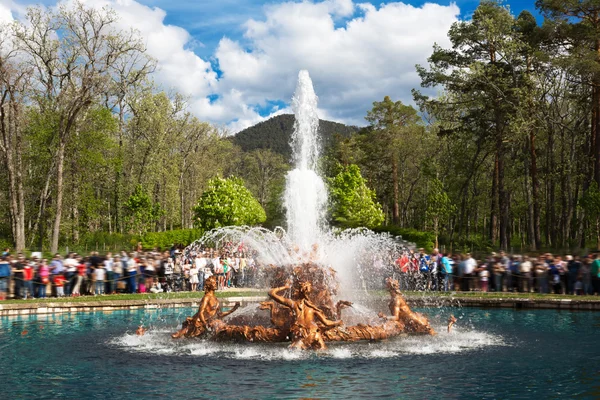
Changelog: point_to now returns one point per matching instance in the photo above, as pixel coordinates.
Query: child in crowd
(59, 282)
(44, 274)
(28, 273)
(483, 279)
(100, 275)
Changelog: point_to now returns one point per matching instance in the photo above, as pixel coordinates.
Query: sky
(238, 60)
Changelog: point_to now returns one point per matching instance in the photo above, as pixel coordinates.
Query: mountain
(275, 134)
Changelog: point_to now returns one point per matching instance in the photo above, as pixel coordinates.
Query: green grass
(258, 292)
(503, 295)
(139, 296)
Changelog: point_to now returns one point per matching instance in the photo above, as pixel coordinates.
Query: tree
(439, 206)
(481, 74)
(394, 125)
(263, 170)
(575, 26)
(141, 211)
(353, 204)
(225, 202)
(590, 202)
(14, 79)
(74, 52)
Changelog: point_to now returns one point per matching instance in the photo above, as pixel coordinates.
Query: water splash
(305, 197)
(461, 340)
(360, 258)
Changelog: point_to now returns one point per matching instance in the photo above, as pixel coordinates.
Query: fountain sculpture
(306, 263)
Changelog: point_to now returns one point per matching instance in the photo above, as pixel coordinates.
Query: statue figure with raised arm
(208, 316)
(308, 321)
(413, 322)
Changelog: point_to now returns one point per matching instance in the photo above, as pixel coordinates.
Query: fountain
(309, 266)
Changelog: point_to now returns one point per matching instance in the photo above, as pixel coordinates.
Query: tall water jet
(305, 197)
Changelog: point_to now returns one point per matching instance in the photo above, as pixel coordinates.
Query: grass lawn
(259, 292)
(140, 296)
(503, 295)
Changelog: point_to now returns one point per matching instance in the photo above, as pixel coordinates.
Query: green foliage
(420, 238)
(353, 204)
(141, 211)
(439, 205)
(590, 201)
(275, 134)
(226, 201)
(101, 240)
(164, 240)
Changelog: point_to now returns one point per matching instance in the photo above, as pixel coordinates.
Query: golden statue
(307, 317)
(451, 321)
(413, 321)
(208, 316)
(305, 332)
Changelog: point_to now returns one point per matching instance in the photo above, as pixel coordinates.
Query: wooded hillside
(275, 133)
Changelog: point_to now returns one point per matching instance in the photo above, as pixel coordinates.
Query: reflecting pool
(490, 354)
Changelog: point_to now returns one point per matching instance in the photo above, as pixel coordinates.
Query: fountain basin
(491, 353)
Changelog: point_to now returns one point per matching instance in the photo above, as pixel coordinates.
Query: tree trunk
(396, 209)
(494, 205)
(595, 137)
(12, 149)
(59, 197)
(530, 212)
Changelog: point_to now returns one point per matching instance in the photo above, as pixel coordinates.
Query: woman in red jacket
(28, 272)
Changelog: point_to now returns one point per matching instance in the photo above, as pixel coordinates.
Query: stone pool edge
(417, 301)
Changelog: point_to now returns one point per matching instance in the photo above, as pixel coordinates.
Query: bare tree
(74, 53)
(14, 79)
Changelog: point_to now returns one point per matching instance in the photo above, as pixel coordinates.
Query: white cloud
(178, 67)
(356, 54)
(370, 56)
(5, 11)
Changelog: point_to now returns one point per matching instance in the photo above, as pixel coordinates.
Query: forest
(505, 155)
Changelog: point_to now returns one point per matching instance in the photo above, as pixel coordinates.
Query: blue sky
(209, 20)
(237, 60)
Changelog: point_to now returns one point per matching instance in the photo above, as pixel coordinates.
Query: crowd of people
(500, 272)
(127, 272)
(177, 270)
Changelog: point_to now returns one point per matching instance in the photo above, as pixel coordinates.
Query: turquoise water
(491, 354)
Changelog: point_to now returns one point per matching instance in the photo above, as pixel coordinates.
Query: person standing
(541, 276)
(108, 267)
(525, 274)
(70, 265)
(194, 277)
(484, 275)
(131, 274)
(507, 273)
(595, 275)
(434, 269)
(586, 276)
(499, 271)
(447, 271)
(18, 267)
(44, 276)
(200, 263)
(424, 261)
(4, 276)
(117, 272)
(242, 277)
(100, 276)
(57, 267)
(572, 271)
(59, 283)
(81, 274)
(28, 273)
(469, 273)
